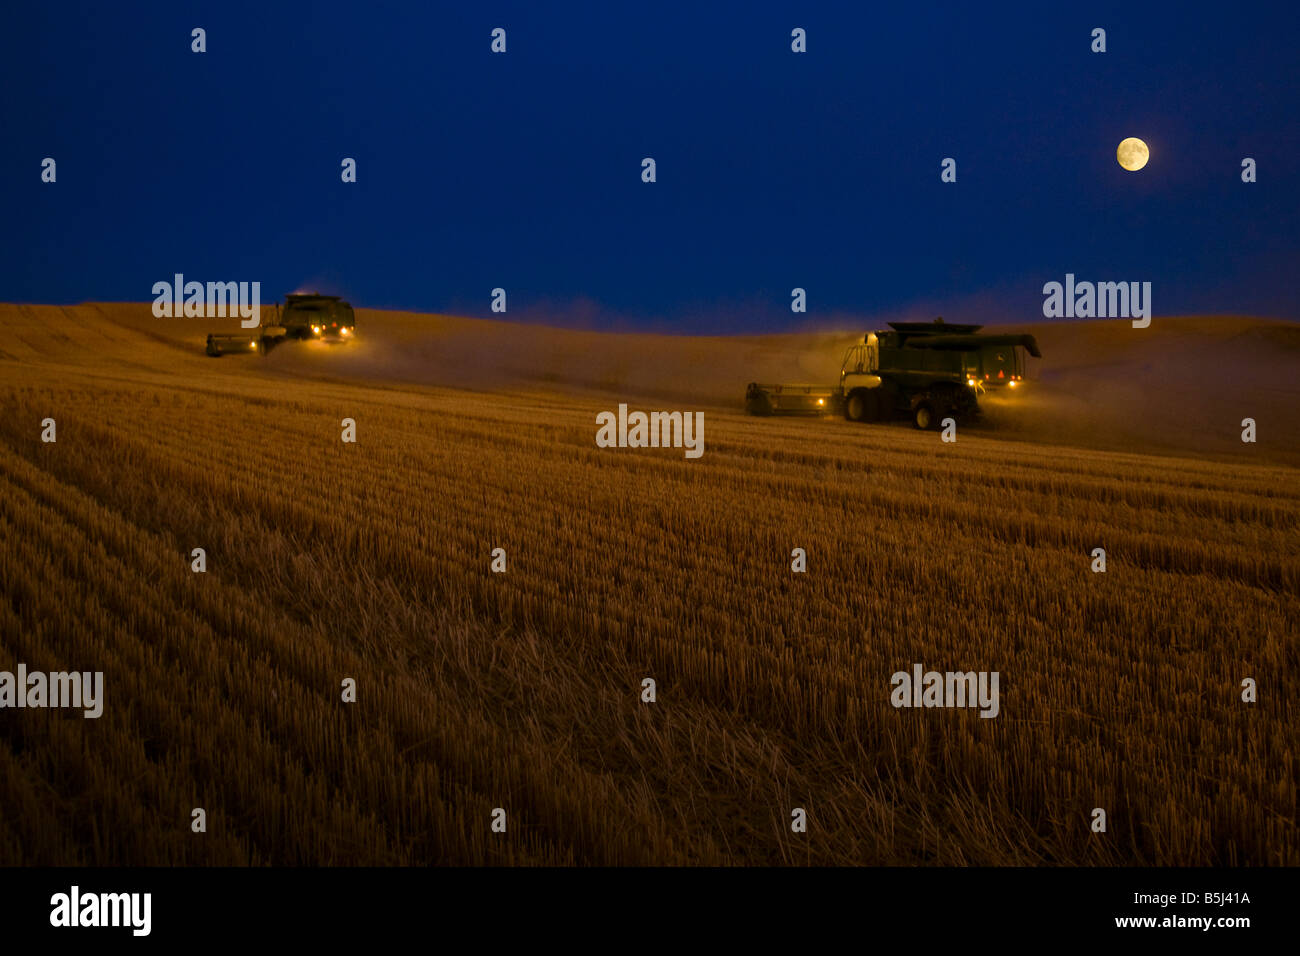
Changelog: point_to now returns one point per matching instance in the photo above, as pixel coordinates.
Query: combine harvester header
(928, 370)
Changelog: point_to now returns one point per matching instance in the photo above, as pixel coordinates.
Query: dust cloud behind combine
(1181, 386)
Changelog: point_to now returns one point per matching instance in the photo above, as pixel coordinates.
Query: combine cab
(929, 371)
(324, 317)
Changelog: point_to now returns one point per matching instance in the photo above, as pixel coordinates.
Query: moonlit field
(476, 690)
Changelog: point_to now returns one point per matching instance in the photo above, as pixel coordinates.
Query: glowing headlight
(316, 329)
(345, 330)
(1013, 384)
(970, 381)
(821, 401)
(253, 344)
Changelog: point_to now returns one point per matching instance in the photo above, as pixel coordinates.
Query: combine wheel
(758, 404)
(855, 407)
(863, 405)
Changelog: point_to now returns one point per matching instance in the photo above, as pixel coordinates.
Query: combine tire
(923, 415)
(867, 405)
(759, 405)
(860, 407)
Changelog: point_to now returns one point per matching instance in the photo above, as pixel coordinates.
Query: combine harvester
(311, 316)
(928, 370)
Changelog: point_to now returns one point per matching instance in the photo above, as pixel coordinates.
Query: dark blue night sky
(775, 169)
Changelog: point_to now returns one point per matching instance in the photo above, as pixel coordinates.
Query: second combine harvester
(927, 370)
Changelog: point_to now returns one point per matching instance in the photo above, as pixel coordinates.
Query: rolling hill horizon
(1181, 386)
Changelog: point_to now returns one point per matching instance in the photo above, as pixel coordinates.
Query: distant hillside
(1183, 385)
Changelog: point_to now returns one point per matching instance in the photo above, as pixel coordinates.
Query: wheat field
(522, 690)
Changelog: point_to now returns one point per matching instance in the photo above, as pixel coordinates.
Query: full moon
(1132, 153)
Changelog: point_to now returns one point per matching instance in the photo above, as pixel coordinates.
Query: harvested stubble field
(522, 690)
